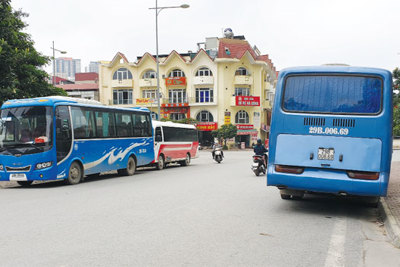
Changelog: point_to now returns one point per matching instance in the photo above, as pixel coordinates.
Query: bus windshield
(26, 130)
(333, 94)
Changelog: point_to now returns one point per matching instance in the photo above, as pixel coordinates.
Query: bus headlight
(43, 165)
(1, 167)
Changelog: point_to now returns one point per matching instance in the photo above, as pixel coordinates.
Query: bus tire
(285, 196)
(75, 174)
(130, 168)
(25, 183)
(186, 162)
(161, 163)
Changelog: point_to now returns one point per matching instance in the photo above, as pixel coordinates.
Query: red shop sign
(244, 126)
(247, 100)
(175, 81)
(207, 126)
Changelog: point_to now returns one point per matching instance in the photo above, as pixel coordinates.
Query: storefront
(205, 129)
(247, 134)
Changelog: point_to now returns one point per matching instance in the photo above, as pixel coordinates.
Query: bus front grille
(344, 123)
(18, 169)
(314, 121)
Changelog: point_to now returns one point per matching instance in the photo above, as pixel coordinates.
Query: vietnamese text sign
(175, 81)
(207, 126)
(247, 100)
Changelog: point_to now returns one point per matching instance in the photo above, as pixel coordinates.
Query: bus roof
(55, 100)
(172, 124)
(335, 69)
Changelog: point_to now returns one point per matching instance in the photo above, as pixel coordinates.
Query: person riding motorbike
(215, 147)
(260, 150)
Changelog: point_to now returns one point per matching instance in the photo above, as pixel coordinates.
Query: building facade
(227, 81)
(67, 67)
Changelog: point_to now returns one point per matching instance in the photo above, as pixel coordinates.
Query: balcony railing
(243, 79)
(200, 80)
(202, 101)
(122, 83)
(173, 102)
(147, 82)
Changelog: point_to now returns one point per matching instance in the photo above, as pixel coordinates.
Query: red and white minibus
(174, 142)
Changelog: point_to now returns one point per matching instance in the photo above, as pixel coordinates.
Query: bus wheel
(160, 164)
(285, 196)
(25, 183)
(186, 161)
(75, 173)
(130, 168)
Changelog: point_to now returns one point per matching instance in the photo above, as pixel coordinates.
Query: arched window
(242, 117)
(122, 74)
(242, 71)
(205, 116)
(176, 73)
(150, 74)
(204, 72)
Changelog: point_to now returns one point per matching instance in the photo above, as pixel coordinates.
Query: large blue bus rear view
(331, 131)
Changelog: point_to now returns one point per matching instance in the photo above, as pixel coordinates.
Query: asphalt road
(206, 214)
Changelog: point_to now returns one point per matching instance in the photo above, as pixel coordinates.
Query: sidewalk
(390, 205)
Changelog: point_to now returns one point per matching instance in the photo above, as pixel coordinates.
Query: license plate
(326, 153)
(18, 177)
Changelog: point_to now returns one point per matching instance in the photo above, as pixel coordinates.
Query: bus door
(63, 132)
(157, 140)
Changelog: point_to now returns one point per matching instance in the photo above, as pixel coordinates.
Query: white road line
(335, 255)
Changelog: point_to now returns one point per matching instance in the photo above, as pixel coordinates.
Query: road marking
(335, 255)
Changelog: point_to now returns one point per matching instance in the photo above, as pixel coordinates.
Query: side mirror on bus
(158, 138)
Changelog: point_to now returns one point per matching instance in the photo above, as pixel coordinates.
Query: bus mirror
(158, 138)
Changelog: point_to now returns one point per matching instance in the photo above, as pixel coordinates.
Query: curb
(391, 225)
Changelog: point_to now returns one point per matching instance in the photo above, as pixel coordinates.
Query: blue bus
(61, 138)
(331, 131)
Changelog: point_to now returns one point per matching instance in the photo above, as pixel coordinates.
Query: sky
(291, 32)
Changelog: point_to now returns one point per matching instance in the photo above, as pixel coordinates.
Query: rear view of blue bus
(331, 131)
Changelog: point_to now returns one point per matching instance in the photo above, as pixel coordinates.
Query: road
(206, 214)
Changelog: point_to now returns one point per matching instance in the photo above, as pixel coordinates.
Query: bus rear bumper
(328, 181)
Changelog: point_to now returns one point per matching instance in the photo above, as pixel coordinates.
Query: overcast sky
(292, 32)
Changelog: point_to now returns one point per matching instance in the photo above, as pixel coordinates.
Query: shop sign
(252, 132)
(245, 126)
(265, 127)
(175, 81)
(247, 100)
(207, 126)
(175, 110)
(227, 119)
(144, 101)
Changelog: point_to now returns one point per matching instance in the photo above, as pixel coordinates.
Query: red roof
(86, 76)
(82, 86)
(59, 79)
(236, 48)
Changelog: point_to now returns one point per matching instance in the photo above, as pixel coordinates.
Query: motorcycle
(217, 155)
(258, 165)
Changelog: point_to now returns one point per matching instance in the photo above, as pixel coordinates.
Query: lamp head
(185, 6)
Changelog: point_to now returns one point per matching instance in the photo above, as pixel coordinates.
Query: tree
(225, 132)
(396, 102)
(21, 76)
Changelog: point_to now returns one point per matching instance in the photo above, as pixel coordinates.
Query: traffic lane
(207, 213)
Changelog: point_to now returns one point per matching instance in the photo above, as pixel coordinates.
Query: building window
(122, 74)
(242, 71)
(150, 74)
(177, 116)
(176, 73)
(244, 91)
(177, 96)
(205, 116)
(204, 95)
(149, 94)
(204, 72)
(122, 97)
(242, 117)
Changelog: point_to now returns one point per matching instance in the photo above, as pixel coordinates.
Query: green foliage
(225, 132)
(396, 102)
(19, 61)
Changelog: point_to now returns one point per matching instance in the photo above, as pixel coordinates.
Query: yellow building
(226, 81)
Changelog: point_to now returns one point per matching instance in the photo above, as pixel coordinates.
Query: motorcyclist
(260, 150)
(216, 146)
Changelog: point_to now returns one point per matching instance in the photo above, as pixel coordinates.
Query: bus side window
(158, 135)
(63, 132)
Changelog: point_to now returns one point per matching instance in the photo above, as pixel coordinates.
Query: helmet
(258, 141)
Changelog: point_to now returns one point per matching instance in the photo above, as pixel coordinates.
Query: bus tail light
(289, 169)
(363, 175)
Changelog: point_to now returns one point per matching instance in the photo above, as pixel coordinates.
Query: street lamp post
(54, 62)
(158, 10)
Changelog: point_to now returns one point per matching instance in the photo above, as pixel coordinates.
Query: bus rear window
(333, 94)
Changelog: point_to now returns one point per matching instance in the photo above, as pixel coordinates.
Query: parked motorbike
(258, 165)
(218, 155)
